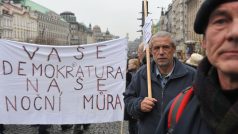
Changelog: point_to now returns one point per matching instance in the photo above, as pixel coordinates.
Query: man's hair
(141, 47)
(163, 34)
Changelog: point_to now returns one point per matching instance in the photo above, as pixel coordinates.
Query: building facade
(179, 20)
(51, 28)
(6, 22)
(27, 21)
(77, 31)
(192, 40)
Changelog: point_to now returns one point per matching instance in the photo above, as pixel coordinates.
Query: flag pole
(148, 58)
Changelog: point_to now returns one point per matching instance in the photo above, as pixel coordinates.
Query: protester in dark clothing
(128, 78)
(1, 128)
(213, 108)
(133, 66)
(168, 77)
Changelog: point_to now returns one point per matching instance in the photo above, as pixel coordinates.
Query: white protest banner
(147, 30)
(62, 84)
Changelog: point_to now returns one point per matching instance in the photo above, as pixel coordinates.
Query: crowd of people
(199, 96)
(166, 74)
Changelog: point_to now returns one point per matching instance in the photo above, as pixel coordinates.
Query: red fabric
(185, 98)
(171, 110)
(183, 104)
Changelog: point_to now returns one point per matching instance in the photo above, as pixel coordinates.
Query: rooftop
(35, 6)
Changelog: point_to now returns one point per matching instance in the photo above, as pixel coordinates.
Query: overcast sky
(119, 16)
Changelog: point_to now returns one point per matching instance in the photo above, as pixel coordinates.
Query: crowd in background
(169, 77)
(198, 95)
(211, 79)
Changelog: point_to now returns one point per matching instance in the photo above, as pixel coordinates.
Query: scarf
(215, 108)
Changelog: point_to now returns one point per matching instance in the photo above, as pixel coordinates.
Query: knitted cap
(203, 14)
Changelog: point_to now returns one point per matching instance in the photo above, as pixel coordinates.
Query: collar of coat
(215, 108)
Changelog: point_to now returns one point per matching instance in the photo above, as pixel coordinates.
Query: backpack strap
(177, 107)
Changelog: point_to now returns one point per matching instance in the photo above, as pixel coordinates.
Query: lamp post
(162, 10)
(42, 34)
(69, 36)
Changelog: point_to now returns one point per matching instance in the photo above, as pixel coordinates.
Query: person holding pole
(213, 104)
(168, 77)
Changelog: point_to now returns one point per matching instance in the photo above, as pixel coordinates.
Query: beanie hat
(204, 12)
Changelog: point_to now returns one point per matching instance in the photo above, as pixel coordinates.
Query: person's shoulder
(195, 67)
(141, 68)
(139, 72)
(190, 68)
(183, 66)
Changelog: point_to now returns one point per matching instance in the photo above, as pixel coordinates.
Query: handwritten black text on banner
(62, 84)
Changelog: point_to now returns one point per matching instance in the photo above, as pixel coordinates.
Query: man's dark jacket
(209, 111)
(181, 78)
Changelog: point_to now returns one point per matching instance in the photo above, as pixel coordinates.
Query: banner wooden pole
(148, 57)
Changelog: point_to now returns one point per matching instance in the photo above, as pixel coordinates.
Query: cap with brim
(194, 59)
(203, 14)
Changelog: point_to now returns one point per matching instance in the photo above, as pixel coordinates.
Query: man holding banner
(168, 77)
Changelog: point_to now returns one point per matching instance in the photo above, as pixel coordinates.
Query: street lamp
(162, 10)
(69, 36)
(42, 34)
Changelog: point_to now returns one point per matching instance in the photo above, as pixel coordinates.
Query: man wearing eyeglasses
(168, 77)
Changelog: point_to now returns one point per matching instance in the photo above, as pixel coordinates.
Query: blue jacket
(181, 78)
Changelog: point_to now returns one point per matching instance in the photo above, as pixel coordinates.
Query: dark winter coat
(209, 111)
(181, 77)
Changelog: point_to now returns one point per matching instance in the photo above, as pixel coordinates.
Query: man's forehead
(161, 39)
